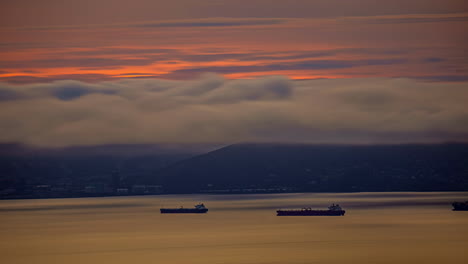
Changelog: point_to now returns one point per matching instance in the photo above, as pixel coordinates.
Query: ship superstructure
(198, 209)
(333, 210)
(460, 206)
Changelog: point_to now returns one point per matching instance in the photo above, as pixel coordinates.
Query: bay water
(399, 227)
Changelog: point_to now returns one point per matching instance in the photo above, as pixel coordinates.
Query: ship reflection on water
(377, 228)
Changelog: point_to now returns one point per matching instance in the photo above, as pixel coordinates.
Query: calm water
(377, 228)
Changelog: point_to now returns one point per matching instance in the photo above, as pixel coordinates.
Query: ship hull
(182, 211)
(310, 212)
(460, 206)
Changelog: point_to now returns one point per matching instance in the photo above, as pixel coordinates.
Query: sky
(226, 71)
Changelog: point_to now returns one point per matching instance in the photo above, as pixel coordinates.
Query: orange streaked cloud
(386, 45)
(240, 48)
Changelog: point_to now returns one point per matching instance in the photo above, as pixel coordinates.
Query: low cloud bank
(212, 109)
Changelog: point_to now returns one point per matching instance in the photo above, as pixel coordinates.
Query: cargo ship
(460, 206)
(199, 209)
(333, 210)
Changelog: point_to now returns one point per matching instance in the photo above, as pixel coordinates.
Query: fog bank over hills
(213, 108)
(122, 150)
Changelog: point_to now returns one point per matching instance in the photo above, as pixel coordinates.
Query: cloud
(433, 60)
(119, 51)
(70, 90)
(26, 79)
(212, 109)
(64, 90)
(212, 22)
(283, 66)
(8, 95)
(424, 18)
(76, 62)
(181, 23)
(273, 88)
(92, 59)
(253, 21)
(444, 78)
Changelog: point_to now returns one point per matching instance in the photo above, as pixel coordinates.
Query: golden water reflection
(377, 228)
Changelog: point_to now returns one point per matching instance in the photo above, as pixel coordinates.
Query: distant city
(241, 168)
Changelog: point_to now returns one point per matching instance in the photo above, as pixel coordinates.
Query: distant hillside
(242, 168)
(26, 171)
(333, 168)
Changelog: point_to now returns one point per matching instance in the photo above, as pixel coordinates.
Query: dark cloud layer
(416, 19)
(211, 23)
(286, 66)
(24, 79)
(75, 62)
(183, 23)
(8, 95)
(445, 78)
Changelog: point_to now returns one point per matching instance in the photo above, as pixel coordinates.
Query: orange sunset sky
(102, 40)
(103, 44)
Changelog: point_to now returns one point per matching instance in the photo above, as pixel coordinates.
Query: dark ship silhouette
(199, 209)
(333, 210)
(460, 206)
